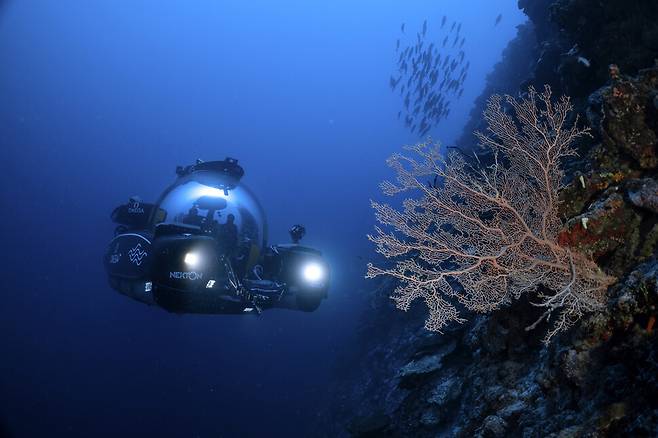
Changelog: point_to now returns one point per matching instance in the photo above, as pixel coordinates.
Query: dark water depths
(101, 100)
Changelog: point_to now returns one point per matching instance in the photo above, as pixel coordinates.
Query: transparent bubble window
(202, 200)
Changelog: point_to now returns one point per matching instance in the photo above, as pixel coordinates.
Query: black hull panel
(177, 301)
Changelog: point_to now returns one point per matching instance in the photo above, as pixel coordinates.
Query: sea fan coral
(483, 235)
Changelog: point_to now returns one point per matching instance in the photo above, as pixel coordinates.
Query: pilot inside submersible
(202, 248)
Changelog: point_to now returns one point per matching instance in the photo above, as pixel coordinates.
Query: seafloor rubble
(491, 377)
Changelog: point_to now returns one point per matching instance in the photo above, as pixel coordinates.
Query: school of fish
(431, 69)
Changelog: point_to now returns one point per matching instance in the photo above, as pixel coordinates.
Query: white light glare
(203, 190)
(313, 272)
(191, 259)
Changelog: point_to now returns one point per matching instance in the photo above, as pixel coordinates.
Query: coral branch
(480, 236)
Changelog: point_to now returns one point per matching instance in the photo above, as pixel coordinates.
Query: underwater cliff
(490, 376)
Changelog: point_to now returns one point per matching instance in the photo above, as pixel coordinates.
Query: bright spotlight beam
(191, 259)
(313, 272)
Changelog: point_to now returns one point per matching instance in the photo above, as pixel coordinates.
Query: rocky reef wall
(490, 376)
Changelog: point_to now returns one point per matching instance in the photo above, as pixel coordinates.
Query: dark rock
(512, 410)
(538, 13)
(571, 432)
(419, 368)
(446, 391)
(584, 188)
(547, 68)
(601, 378)
(629, 117)
(493, 426)
(425, 365)
(619, 228)
(644, 193)
(575, 366)
(429, 418)
(607, 225)
(607, 32)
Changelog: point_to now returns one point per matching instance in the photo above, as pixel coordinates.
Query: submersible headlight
(191, 259)
(313, 272)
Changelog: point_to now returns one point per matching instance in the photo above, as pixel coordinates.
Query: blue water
(100, 100)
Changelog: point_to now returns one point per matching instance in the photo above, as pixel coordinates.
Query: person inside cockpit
(227, 236)
(192, 217)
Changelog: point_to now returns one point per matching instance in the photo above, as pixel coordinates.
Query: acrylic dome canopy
(214, 190)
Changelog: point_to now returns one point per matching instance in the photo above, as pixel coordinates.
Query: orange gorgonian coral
(483, 235)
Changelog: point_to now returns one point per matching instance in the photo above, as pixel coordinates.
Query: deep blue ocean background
(100, 100)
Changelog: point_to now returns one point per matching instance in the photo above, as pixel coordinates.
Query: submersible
(202, 248)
